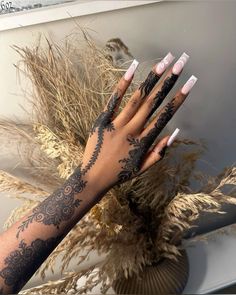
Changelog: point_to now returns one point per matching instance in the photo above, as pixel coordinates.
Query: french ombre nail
(164, 63)
(178, 66)
(130, 72)
(173, 137)
(189, 85)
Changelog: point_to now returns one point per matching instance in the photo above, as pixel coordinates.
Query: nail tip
(177, 130)
(164, 63)
(194, 78)
(186, 55)
(171, 55)
(173, 137)
(136, 62)
(189, 85)
(180, 63)
(130, 71)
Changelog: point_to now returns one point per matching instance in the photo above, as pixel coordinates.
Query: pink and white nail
(189, 85)
(179, 65)
(173, 137)
(130, 72)
(164, 63)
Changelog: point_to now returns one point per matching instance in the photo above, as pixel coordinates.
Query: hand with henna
(120, 147)
(123, 145)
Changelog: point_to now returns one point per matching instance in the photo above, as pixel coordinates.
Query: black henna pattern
(147, 86)
(132, 163)
(16, 272)
(163, 92)
(60, 206)
(62, 203)
(140, 146)
(105, 118)
(103, 122)
(163, 151)
(161, 122)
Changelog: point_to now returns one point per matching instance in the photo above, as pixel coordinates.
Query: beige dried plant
(136, 223)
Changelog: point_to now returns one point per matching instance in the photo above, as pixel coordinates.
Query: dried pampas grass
(136, 223)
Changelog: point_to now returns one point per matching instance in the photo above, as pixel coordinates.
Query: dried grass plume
(136, 223)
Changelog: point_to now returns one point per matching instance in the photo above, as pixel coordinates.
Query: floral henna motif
(16, 272)
(132, 164)
(147, 86)
(103, 122)
(162, 152)
(161, 122)
(165, 89)
(60, 206)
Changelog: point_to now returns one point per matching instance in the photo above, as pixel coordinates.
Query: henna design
(161, 122)
(104, 119)
(16, 272)
(103, 122)
(147, 86)
(60, 206)
(163, 152)
(163, 92)
(132, 163)
(134, 160)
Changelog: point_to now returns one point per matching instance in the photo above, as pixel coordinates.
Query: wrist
(88, 186)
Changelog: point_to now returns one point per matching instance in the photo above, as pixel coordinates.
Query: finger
(158, 152)
(165, 87)
(156, 126)
(157, 96)
(143, 91)
(117, 95)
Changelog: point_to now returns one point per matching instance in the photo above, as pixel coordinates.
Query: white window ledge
(63, 11)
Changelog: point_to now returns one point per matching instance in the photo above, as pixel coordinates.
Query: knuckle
(119, 89)
(149, 102)
(134, 102)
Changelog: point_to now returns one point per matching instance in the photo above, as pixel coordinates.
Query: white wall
(205, 30)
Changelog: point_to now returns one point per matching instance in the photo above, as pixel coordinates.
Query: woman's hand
(121, 146)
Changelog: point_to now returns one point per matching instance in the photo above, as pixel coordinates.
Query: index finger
(120, 89)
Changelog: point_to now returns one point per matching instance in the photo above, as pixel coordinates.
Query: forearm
(27, 243)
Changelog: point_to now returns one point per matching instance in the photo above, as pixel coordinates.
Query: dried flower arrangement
(141, 221)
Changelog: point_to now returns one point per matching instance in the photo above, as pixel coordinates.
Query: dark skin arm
(120, 147)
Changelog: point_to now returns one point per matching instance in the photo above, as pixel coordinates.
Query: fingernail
(130, 72)
(178, 66)
(173, 137)
(189, 85)
(164, 63)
